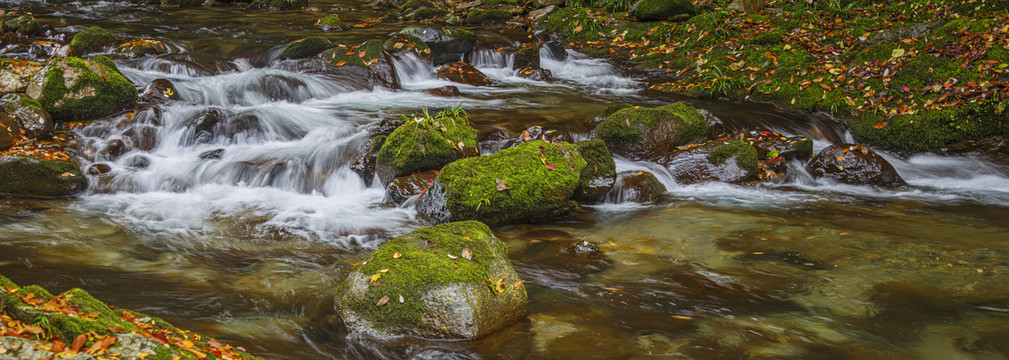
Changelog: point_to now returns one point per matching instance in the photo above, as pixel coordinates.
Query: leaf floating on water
(401, 299)
(550, 166)
(396, 255)
(383, 300)
(501, 186)
(467, 254)
(682, 317)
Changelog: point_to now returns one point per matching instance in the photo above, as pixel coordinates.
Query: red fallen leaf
(161, 338)
(58, 347)
(550, 166)
(525, 136)
(78, 343)
(907, 89)
(882, 124)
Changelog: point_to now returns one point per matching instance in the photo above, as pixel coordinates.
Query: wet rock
(555, 51)
(143, 137)
(30, 177)
(345, 63)
(425, 13)
(29, 116)
(98, 169)
(73, 89)
(159, 92)
(93, 39)
(387, 126)
(584, 249)
(363, 162)
(655, 10)
(113, 148)
(331, 23)
(994, 148)
(204, 126)
(747, 6)
(528, 56)
(274, 5)
(426, 144)
(771, 145)
(636, 186)
(599, 173)
(716, 128)
(730, 161)
(141, 47)
(639, 133)
(463, 73)
(16, 74)
(455, 281)
(403, 42)
(447, 45)
(541, 13)
(534, 181)
(303, 48)
(211, 154)
(23, 25)
(196, 63)
(138, 161)
(535, 73)
(10, 131)
(404, 187)
(536, 132)
(444, 91)
(853, 164)
(181, 3)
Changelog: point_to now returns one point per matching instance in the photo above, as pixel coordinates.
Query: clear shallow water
(251, 246)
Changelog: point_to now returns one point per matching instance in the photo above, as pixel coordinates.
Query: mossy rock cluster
(533, 181)
(23, 25)
(303, 48)
(448, 281)
(729, 161)
(24, 176)
(426, 143)
(75, 313)
(599, 173)
(93, 39)
(641, 133)
(331, 23)
(73, 89)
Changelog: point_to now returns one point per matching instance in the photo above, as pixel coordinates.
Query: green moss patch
(95, 88)
(746, 155)
(92, 39)
(426, 142)
(29, 177)
(643, 132)
(306, 47)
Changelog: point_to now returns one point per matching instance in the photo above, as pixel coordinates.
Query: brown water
(804, 269)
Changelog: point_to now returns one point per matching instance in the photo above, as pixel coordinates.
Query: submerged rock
(30, 177)
(72, 89)
(534, 181)
(426, 143)
(449, 281)
(303, 48)
(463, 73)
(639, 133)
(447, 45)
(29, 116)
(93, 39)
(599, 173)
(853, 164)
(731, 161)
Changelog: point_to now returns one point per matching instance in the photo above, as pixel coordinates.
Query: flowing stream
(245, 232)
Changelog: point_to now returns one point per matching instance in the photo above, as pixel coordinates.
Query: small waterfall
(490, 58)
(580, 69)
(412, 69)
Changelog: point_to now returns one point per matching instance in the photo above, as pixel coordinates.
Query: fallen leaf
(501, 186)
(341, 63)
(397, 45)
(517, 285)
(550, 166)
(401, 299)
(682, 317)
(467, 254)
(383, 300)
(396, 255)
(450, 256)
(79, 342)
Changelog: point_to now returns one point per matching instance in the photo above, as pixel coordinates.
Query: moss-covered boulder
(29, 115)
(24, 25)
(75, 314)
(639, 133)
(534, 181)
(599, 173)
(730, 161)
(30, 177)
(363, 66)
(331, 23)
(488, 16)
(463, 73)
(93, 39)
(398, 43)
(447, 45)
(279, 4)
(448, 281)
(854, 164)
(426, 143)
(655, 10)
(303, 48)
(73, 88)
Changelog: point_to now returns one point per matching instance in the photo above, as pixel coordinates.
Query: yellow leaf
(578, 28)
(898, 52)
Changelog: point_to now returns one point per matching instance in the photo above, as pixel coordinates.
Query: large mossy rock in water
(93, 39)
(639, 133)
(447, 45)
(534, 181)
(730, 161)
(303, 48)
(654, 10)
(362, 66)
(24, 25)
(448, 281)
(75, 313)
(72, 89)
(854, 164)
(30, 177)
(426, 143)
